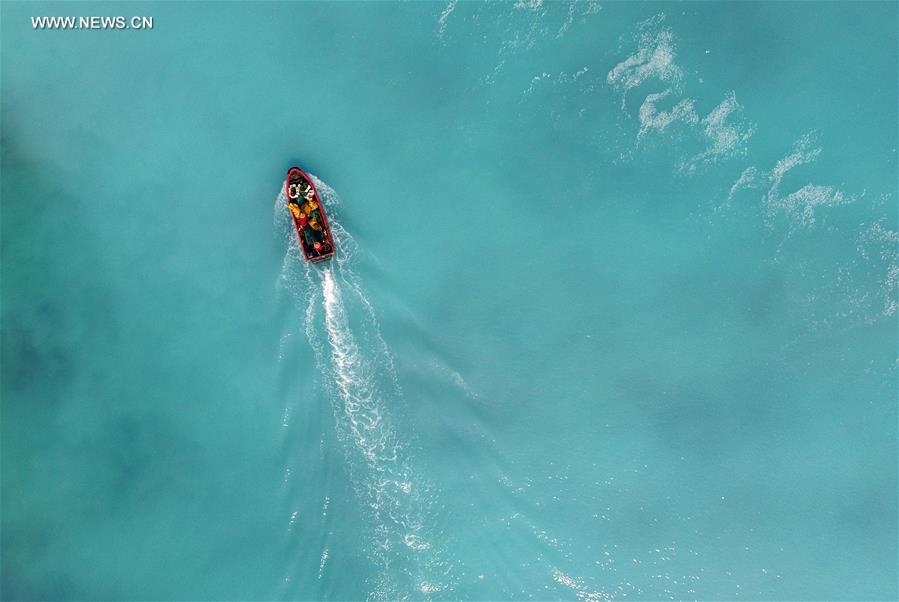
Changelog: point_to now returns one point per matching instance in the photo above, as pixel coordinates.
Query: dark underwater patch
(25, 548)
(133, 460)
(34, 358)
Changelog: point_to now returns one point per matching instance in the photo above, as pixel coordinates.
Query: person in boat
(311, 209)
(309, 237)
(295, 208)
(322, 248)
(309, 206)
(299, 215)
(304, 189)
(302, 221)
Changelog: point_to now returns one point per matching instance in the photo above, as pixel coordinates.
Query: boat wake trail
(357, 377)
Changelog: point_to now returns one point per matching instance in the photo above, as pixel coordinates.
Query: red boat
(308, 216)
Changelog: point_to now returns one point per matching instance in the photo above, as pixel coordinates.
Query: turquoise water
(613, 314)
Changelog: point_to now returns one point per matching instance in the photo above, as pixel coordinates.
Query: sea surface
(613, 313)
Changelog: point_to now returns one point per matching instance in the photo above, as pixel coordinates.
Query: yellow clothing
(294, 209)
(313, 223)
(309, 206)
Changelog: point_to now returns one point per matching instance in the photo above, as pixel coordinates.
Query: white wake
(358, 377)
